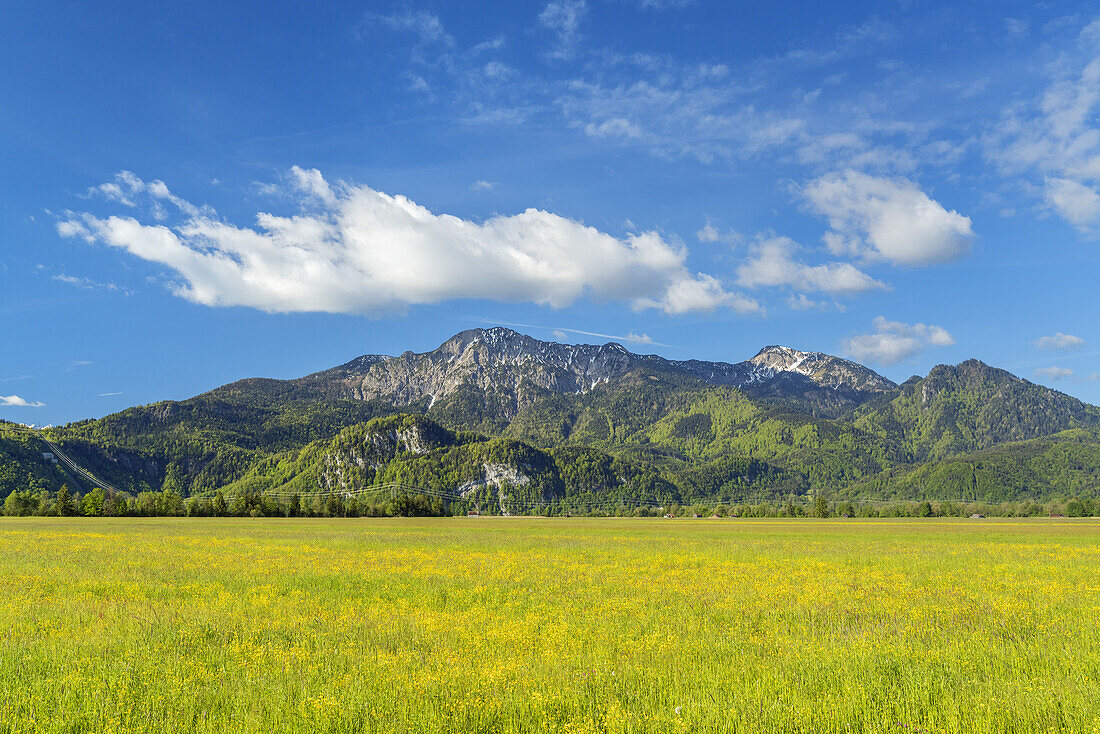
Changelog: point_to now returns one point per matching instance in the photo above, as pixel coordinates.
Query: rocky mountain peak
(823, 369)
(785, 359)
(517, 368)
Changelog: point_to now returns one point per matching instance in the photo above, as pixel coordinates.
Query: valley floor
(526, 624)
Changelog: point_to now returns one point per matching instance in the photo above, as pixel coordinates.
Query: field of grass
(501, 625)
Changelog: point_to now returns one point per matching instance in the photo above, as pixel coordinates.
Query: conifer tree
(65, 505)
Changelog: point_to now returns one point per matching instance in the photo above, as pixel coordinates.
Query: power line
(68, 462)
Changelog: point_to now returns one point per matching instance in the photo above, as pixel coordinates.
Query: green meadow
(549, 625)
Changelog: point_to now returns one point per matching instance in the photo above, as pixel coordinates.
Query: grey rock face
(519, 367)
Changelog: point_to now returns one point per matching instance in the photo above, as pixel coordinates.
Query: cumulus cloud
(894, 341)
(887, 219)
(700, 293)
(1055, 138)
(1054, 374)
(1059, 341)
(352, 249)
(127, 189)
(772, 263)
(14, 401)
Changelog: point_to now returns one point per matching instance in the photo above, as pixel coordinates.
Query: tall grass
(502, 625)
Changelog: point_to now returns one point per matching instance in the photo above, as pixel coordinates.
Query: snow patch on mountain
(515, 367)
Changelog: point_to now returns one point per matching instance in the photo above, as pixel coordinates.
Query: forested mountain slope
(971, 406)
(785, 422)
(22, 466)
(205, 442)
(1066, 464)
(487, 472)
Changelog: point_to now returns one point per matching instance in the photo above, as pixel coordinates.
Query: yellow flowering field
(549, 625)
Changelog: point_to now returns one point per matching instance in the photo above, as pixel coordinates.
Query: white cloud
(630, 337)
(426, 26)
(483, 185)
(109, 394)
(561, 333)
(887, 219)
(771, 263)
(710, 233)
(311, 183)
(127, 188)
(14, 401)
(493, 44)
(1054, 374)
(564, 18)
(352, 249)
(1059, 341)
(709, 111)
(1055, 138)
(802, 302)
(894, 341)
(89, 284)
(663, 4)
(696, 112)
(1016, 28)
(1077, 203)
(701, 293)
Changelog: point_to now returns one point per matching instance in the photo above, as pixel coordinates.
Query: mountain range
(493, 408)
(519, 370)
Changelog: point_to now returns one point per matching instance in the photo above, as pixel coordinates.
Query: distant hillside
(21, 464)
(498, 475)
(1064, 465)
(783, 423)
(972, 406)
(206, 441)
(509, 371)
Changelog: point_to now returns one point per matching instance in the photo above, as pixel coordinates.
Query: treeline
(98, 503)
(168, 503)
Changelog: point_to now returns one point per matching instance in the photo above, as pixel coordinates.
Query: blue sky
(196, 193)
